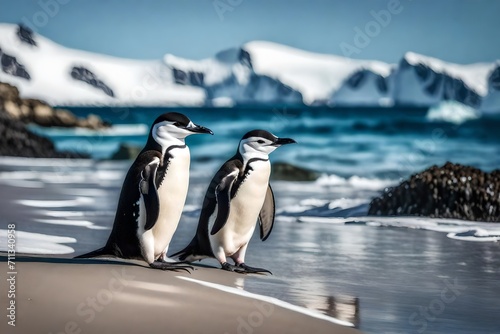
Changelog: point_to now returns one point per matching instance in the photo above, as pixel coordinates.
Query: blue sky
(453, 30)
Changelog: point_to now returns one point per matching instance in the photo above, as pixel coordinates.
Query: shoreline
(56, 295)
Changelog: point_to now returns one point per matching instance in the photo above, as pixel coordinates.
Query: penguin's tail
(98, 252)
(189, 253)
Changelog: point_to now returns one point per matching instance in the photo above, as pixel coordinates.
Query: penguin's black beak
(199, 129)
(284, 141)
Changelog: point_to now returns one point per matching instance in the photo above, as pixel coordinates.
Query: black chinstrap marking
(243, 176)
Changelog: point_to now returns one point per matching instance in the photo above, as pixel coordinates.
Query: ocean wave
(322, 206)
(16, 163)
(478, 234)
(37, 243)
(69, 222)
(454, 228)
(78, 201)
(354, 181)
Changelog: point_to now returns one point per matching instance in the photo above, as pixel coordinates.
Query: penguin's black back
(200, 244)
(123, 240)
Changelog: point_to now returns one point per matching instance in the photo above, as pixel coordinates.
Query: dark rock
(188, 78)
(244, 58)
(356, 79)
(494, 78)
(196, 79)
(423, 72)
(25, 34)
(11, 66)
(40, 113)
(180, 77)
(87, 76)
(435, 83)
(450, 191)
(287, 172)
(17, 141)
(382, 84)
(126, 152)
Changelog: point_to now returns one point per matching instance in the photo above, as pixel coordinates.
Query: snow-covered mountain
(257, 73)
(422, 80)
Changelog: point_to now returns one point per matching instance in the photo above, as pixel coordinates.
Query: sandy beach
(58, 295)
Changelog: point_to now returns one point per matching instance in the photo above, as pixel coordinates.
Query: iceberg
(453, 112)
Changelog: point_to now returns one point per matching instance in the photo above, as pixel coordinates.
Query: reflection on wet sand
(340, 307)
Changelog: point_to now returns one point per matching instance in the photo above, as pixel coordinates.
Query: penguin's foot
(252, 270)
(230, 267)
(171, 266)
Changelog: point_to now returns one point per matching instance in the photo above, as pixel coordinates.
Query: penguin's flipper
(149, 193)
(266, 215)
(223, 195)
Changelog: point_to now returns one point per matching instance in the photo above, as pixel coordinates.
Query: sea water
(387, 275)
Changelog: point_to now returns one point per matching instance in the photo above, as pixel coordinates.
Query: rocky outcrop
(87, 76)
(17, 141)
(188, 78)
(287, 172)
(10, 65)
(450, 191)
(25, 35)
(40, 113)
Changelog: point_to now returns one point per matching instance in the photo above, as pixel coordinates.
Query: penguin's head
(260, 143)
(172, 128)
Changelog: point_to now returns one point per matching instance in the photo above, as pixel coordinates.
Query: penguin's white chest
(172, 193)
(244, 209)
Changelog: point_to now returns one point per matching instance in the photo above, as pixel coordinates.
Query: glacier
(258, 73)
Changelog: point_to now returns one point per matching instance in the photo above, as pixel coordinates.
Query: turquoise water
(369, 142)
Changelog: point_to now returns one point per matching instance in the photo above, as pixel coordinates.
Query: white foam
(44, 162)
(478, 234)
(79, 201)
(303, 205)
(344, 203)
(354, 181)
(67, 222)
(37, 243)
(270, 300)
(61, 214)
(454, 228)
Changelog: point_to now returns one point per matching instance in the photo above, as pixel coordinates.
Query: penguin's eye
(260, 141)
(176, 124)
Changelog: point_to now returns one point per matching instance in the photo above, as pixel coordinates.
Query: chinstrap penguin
(238, 195)
(153, 195)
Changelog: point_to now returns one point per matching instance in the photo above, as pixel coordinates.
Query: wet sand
(58, 295)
